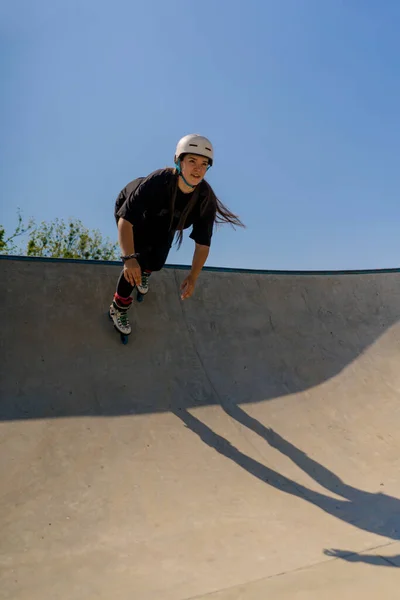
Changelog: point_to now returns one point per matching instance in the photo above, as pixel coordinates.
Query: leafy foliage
(58, 239)
(7, 244)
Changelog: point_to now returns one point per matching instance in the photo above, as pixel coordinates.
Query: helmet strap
(178, 168)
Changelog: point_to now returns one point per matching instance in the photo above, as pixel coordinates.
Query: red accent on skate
(123, 301)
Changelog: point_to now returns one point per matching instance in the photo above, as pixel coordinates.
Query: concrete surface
(244, 444)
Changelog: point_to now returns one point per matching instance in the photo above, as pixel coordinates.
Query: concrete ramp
(244, 444)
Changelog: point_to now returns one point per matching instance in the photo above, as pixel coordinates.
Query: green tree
(8, 244)
(58, 239)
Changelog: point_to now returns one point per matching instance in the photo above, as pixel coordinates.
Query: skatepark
(243, 445)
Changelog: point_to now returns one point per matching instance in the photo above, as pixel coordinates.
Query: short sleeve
(203, 226)
(146, 199)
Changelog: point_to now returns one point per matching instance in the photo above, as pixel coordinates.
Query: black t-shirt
(145, 202)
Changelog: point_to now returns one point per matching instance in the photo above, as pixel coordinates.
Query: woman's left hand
(187, 287)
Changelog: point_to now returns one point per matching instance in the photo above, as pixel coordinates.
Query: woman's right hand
(133, 272)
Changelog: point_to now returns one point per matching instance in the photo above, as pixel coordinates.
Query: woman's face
(194, 168)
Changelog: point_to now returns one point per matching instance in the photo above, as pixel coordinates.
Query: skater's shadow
(369, 559)
(376, 513)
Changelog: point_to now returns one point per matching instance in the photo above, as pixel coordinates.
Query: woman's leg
(151, 259)
(124, 288)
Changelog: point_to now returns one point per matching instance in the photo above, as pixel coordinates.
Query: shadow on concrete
(242, 338)
(252, 337)
(376, 513)
(368, 559)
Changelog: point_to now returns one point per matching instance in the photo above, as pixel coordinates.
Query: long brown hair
(209, 201)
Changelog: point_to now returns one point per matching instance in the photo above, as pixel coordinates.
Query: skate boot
(118, 313)
(143, 288)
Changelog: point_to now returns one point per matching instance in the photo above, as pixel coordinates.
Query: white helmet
(195, 144)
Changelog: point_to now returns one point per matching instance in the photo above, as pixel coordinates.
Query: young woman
(150, 210)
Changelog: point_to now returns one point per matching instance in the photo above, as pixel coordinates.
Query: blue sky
(299, 97)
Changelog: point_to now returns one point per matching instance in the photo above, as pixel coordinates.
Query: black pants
(151, 258)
